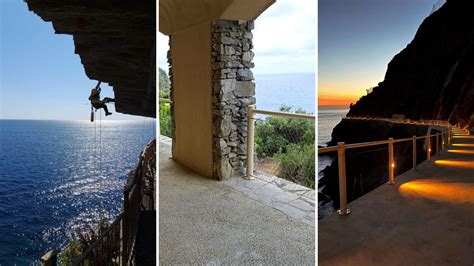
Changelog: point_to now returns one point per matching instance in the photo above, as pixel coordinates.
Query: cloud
(162, 50)
(284, 38)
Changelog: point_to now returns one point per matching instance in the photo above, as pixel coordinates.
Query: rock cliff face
(116, 43)
(433, 77)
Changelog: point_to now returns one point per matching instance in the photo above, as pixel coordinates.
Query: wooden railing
(342, 147)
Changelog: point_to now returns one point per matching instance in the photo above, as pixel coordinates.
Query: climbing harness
(92, 107)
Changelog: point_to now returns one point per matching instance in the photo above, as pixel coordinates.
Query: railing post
(125, 224)
(341, 161)
(250, 141)
(449, 134)
(442, 140)
(391, 163)
(437, 144)
(429, 148)
(414, 152)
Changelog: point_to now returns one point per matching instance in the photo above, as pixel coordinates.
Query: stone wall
(170, 75)
(233, 90)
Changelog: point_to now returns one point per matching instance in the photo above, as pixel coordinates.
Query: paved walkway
(203, 221)
(427, 218)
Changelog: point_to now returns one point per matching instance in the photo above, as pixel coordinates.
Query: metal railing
(268, 164)
(342, 147)
(401, 120)
(136, 199)
(106, 250)
(116, 244)
(165, 100)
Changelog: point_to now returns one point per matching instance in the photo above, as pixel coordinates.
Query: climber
(97, 103)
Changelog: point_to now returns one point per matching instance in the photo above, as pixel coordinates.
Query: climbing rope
(95, 144)
(100, 141)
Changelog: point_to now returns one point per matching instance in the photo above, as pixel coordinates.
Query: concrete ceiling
(115, 40)
(178, 15)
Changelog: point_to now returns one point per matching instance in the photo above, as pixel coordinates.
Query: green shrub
(80, 241)
(273, 134)
(290, 141)
(165, 119)
(298, 164)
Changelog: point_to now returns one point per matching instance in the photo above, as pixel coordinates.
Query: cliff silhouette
(433, 77)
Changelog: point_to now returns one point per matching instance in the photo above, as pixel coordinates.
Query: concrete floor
(203, 221)
(427, 218)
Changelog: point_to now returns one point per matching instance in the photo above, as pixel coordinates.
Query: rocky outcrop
(433, 77)
(233, 90)
(116, 43)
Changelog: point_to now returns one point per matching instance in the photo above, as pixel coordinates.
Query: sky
(40, 76)
(283, 39)
(356, 41)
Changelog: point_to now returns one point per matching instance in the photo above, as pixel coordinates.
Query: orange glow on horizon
(335, 102)
(454, 163)
(439, 191)
(462, 151)
(331, 98)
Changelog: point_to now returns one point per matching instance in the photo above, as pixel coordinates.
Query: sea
(293, 90)
(56, 176)
(328, 118)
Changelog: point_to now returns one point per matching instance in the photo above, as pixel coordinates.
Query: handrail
(90, 249)
(164, 100)
(401, 120)
(341, 148)
(370, 143)
(144, 157)
(251, 112)
(133, 200)
(125, 223)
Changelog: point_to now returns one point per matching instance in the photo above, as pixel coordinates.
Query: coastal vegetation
(164, 107)
(81, 240)
(288, 143)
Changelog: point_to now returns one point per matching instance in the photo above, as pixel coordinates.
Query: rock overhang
(116, 42)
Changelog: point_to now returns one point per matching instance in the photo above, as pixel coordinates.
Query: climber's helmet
(95, 91)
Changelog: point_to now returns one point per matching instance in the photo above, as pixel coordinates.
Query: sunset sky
(357, 39)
